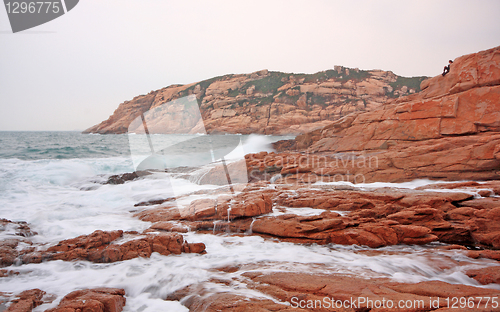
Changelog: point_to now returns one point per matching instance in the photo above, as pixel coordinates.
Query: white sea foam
(258, 143)
(49, 196)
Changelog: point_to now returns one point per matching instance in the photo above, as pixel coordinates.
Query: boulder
(486, 276)
(26, 301)
(96, 300)
(104, 247)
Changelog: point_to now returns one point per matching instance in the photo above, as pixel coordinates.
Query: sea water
(53, 181)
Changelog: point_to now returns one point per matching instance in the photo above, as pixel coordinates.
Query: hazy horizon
(73, 72)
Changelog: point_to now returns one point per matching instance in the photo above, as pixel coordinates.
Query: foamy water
(61, 199)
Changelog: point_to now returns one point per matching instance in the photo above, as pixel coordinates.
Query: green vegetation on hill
(341, 75)
(410, 82)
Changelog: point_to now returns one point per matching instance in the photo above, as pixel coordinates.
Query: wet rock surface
(304, 214)
(13, 233)
(95, 300)
(26, 301)
(485, 276)
(105, 247)
(370, 217)
(287, 291)
(98, 300)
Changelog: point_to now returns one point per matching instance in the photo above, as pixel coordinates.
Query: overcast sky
(72, 72)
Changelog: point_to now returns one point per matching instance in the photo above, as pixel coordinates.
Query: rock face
(27, 301)
(272, 102)
(448, 131)
(105, 247)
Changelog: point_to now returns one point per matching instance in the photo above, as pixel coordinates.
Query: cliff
(267, 102)
(450, 130)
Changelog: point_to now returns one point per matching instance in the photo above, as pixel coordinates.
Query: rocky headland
(267, 102)
(450, 130)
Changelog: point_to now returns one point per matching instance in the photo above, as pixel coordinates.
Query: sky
(74, 71)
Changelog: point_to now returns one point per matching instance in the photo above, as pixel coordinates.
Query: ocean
(54, 182)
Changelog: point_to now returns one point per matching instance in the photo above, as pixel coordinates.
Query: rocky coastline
(449, 131)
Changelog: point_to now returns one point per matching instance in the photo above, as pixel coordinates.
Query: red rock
(98, 300)
(453, 247)
(490, 214)
(33, 257)
(8, 252)
(246, 204)
(5, 273)
(100, 247)
(201, 209)
(417, 214)
(420, 240)
(489, 254)
(482, 203)
(356, 237)
(441, 289)
(250, 205)
(169, 227)
(193, 248)
(97, 239)
(449, 131)
(486, 275)
(217, 175)
(411, 231)
(450, 185)
(167, 213)
(133, 249)
(387, 234)
(381, 217)
(462, 213)
(21, 228)
(292, 111)
(282, 228)
(295, 168)
(488, 238)
(26, 301)
(229, 302)
(434, 199)
(486, 193)
(328, 224)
